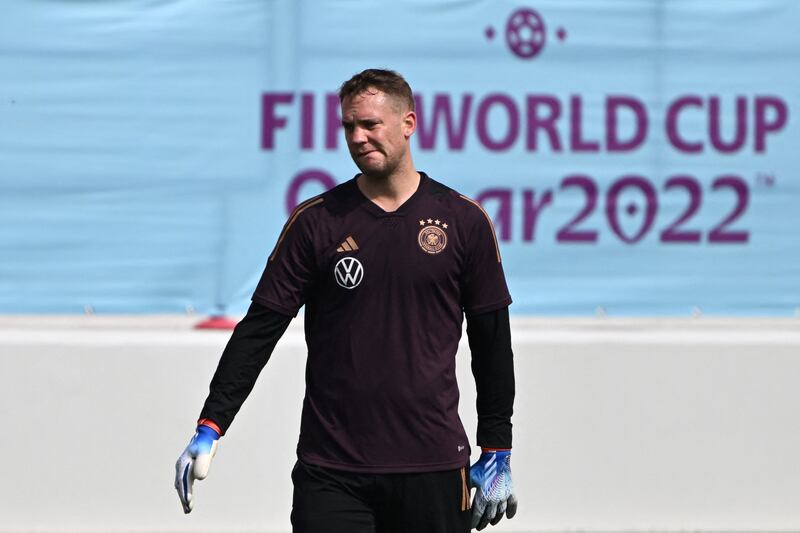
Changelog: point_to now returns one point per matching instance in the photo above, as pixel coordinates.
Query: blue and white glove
(494, 494)
(194, 463)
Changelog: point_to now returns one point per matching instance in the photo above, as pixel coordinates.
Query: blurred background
(638, 158)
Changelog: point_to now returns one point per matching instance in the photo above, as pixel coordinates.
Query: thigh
(326, 501)
(433, 502)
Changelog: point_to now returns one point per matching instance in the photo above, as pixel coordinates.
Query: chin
(374, 171)
(376, 174)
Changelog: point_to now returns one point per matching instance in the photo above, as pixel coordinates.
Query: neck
(390, 192)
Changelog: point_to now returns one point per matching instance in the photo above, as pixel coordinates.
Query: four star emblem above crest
(437, 221)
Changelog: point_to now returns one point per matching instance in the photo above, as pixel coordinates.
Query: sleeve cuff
(278, 308)
(487, 308)
(209, 423)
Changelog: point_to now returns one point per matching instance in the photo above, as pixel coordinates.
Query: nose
(358, 136)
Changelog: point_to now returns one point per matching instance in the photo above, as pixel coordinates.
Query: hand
(494, 494)
(194, 463)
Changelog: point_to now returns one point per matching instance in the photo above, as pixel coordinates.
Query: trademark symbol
(764, 179)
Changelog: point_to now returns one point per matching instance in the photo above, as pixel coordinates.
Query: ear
(409, 123)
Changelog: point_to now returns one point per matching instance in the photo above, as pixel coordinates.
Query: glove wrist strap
(209, 423)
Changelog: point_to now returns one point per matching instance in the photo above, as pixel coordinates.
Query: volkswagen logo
(348, 272)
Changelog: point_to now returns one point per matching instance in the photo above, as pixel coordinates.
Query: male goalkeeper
(387, 265)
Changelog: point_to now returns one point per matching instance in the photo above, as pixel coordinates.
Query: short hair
(387, 81)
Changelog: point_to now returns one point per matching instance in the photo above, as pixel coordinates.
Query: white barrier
(635, 425)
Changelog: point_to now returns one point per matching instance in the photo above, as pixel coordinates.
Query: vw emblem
(348, 272)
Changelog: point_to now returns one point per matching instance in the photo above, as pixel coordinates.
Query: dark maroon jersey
(385, 295)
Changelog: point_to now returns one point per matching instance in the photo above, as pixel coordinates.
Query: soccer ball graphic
(525, 33)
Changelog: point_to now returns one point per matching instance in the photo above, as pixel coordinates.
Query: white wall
(619, 425)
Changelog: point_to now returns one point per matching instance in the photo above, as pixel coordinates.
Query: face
(377, 128)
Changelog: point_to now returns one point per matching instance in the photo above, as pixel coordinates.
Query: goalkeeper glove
(194, 462)
(491, 476)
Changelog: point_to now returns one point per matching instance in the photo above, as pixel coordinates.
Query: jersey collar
(404, 208)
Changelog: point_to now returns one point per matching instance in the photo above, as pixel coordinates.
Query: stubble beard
(381, 171)
(384, 169)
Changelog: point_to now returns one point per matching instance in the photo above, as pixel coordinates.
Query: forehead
(371, 100)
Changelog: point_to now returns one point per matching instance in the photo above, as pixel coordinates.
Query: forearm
(246, 353)
(489, 337)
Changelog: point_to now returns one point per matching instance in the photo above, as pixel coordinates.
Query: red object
(217, 322)
(210, 423)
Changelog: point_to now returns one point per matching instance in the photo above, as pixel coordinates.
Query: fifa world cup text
(499, 122)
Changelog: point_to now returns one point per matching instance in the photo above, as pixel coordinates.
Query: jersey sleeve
(291, 266)
(248, 350)
(489, 337)
(483, 283)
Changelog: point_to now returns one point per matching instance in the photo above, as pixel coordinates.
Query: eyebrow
(370, 120)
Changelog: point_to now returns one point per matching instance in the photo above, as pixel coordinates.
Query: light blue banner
(638, 156)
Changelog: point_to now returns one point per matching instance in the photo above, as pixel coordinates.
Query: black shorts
(334, 501)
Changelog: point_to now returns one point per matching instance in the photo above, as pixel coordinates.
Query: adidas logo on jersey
(349, 245)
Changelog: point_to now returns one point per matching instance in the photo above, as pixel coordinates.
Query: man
(387, 264)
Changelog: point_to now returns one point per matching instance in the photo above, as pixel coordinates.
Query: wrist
(208, 423)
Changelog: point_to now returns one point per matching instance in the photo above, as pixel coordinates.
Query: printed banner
(637, 157)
